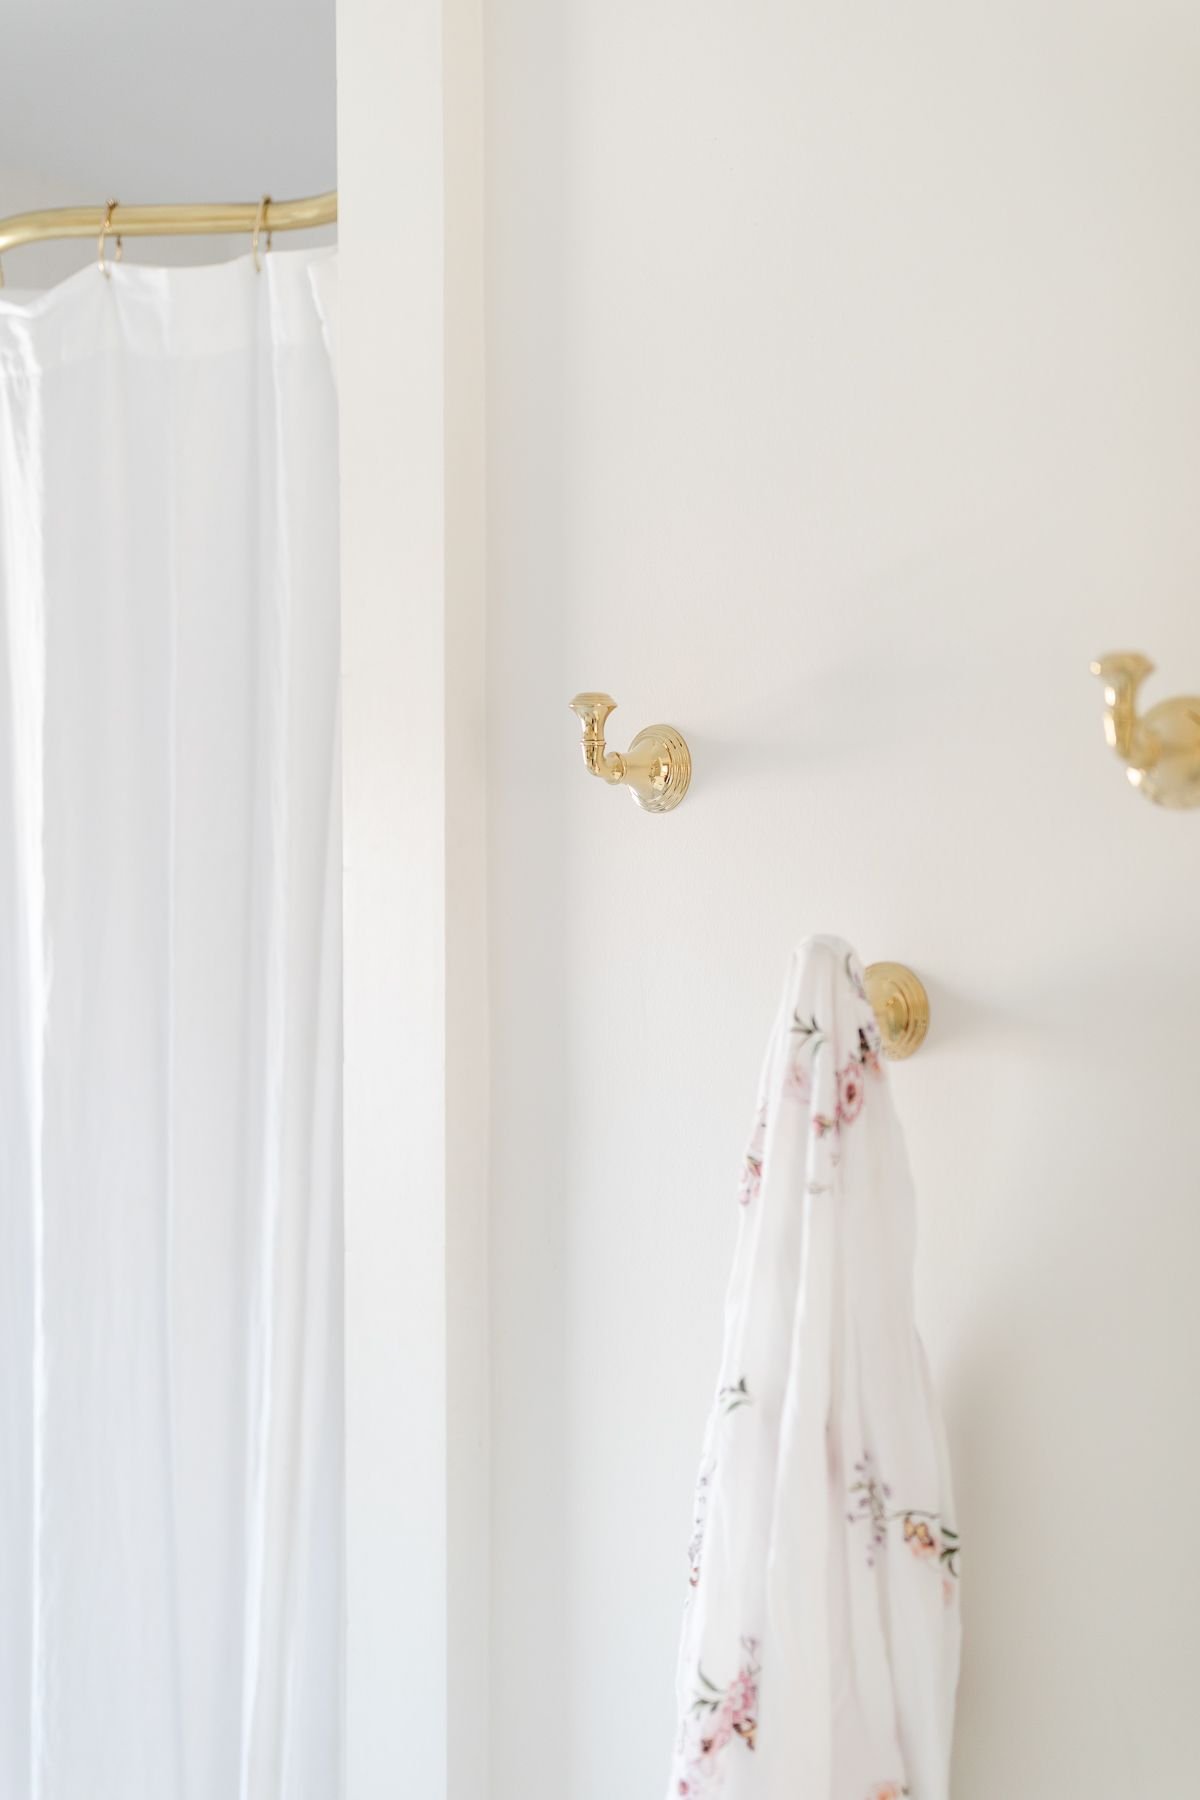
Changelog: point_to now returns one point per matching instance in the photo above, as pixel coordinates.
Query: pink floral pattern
(850, 1092)
(719, 1717)
(845, 1102)
(799, 1081)
(752, 1167)
(925, 1535)
(888, 1790)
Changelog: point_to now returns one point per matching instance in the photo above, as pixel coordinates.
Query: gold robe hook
(901, 1007)
(1160, 748)
(656, 768)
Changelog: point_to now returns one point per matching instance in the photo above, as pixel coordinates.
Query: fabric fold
(820, 1646)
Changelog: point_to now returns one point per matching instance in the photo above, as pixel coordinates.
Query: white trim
(411, 384)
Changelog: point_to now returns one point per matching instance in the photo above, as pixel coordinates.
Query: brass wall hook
(1160, 748)
(901, 1007)
(656, 768)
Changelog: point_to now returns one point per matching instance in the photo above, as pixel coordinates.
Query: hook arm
(1123, 673)
(592, 711)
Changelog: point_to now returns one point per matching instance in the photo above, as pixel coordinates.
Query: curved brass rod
(204, 219)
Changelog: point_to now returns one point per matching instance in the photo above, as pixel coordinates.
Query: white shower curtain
(170, 1186)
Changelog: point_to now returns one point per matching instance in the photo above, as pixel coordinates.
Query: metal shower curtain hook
(105, 228)
(259, 221)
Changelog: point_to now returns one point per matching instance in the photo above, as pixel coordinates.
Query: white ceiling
(155, 100)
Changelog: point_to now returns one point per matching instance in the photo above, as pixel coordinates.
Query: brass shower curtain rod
(200, 220)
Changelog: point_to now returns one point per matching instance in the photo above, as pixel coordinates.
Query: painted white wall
(844, 399)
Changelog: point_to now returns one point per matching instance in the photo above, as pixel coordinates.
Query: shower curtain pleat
(22, 1025)
(170, 1339)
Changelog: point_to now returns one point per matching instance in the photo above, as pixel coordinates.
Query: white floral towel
(820, 1646)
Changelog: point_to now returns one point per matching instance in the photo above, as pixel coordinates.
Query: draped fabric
(819, 1656)
(170, 1106)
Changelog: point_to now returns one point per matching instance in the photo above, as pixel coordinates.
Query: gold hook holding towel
(901, 1007)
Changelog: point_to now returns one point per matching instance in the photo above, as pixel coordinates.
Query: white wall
(844, 399)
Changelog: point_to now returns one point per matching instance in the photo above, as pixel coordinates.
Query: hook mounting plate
(901, 1006)
(667, 761)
